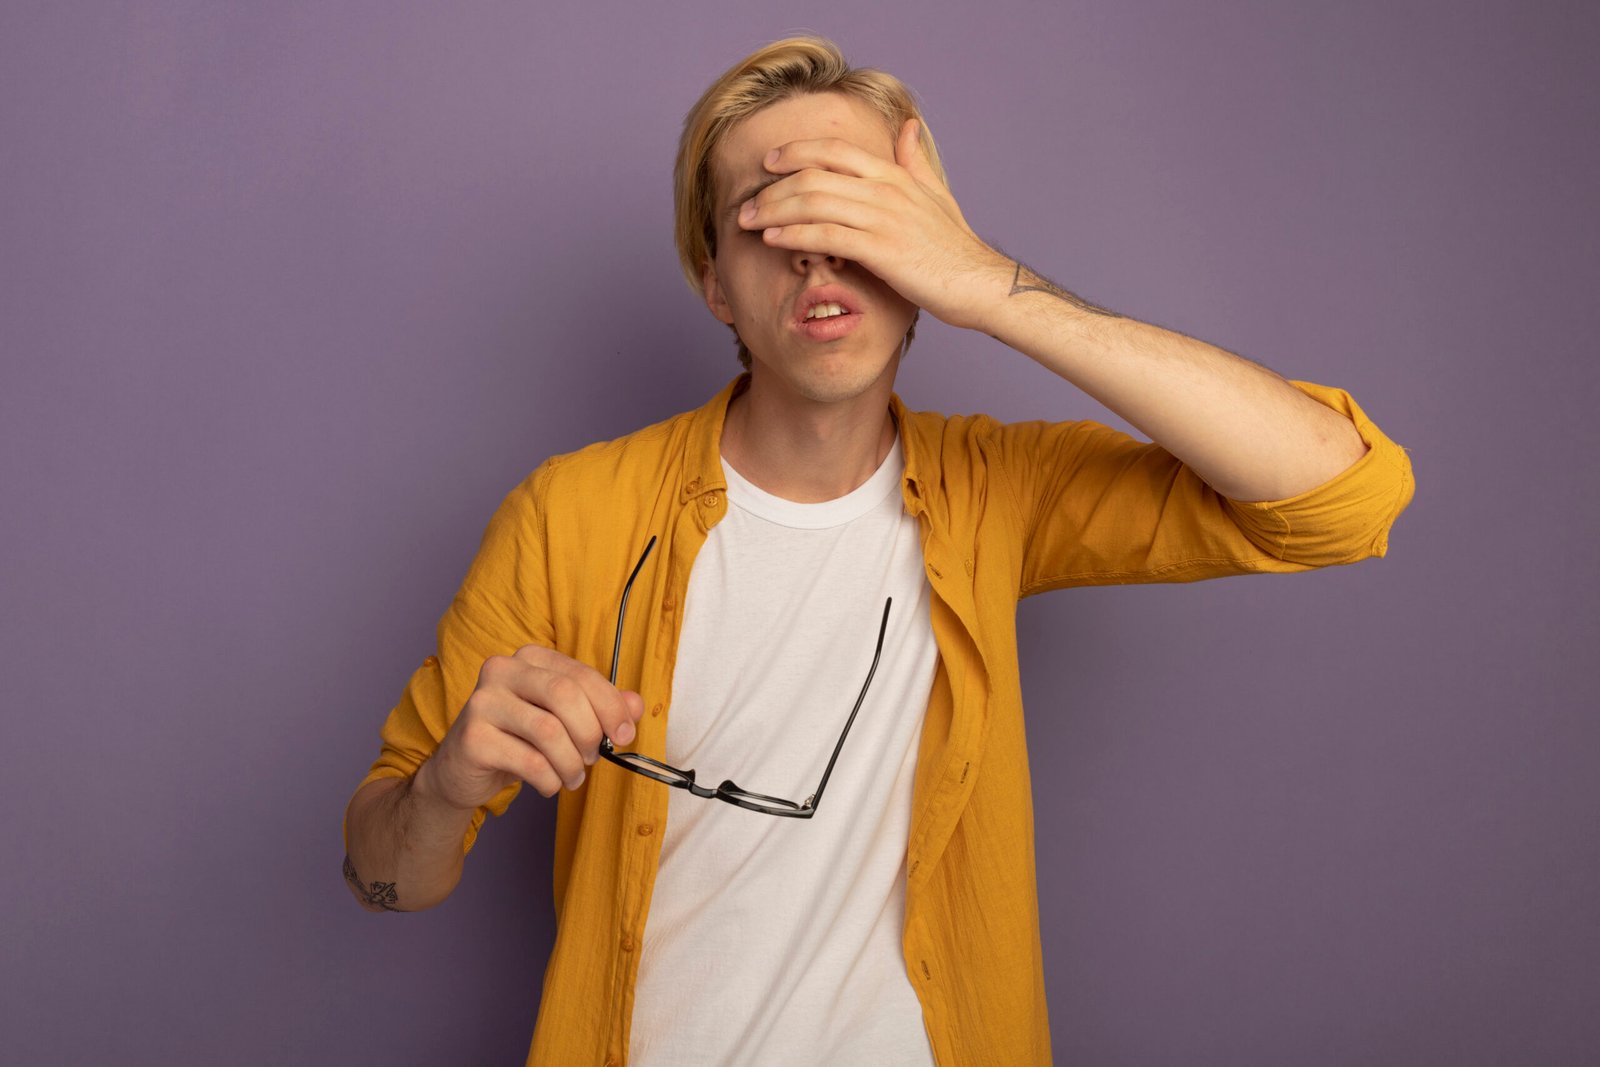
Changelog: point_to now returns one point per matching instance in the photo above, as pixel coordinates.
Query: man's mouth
(823, 302)
(825, 311)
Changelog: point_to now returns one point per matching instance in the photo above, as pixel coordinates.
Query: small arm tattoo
(380, 895)
(1038, 283)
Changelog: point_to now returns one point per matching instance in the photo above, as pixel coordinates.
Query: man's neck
(806, 451)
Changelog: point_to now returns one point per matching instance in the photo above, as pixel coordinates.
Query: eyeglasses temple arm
(816, 798)
(622, 612)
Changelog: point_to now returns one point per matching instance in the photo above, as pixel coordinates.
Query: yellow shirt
(1005, 511)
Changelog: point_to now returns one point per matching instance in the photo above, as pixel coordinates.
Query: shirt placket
(950, 579)
(645, 811)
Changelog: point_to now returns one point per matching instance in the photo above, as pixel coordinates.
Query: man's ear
(712, 288)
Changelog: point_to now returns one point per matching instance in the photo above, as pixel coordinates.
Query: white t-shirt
(771, 940)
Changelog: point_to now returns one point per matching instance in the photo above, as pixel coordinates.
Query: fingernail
(576, 782)
(625, 732)
(772, 157)
(748, 211)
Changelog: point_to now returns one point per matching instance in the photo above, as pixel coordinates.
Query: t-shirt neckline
(748, 497)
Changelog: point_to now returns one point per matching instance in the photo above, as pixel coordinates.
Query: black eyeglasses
(728, 791)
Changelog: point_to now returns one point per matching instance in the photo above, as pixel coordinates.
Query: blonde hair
(792, 67)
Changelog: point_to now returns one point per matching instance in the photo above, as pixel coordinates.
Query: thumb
(908, 148)
(911, 153)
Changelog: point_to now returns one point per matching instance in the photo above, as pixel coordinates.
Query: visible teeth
(824, 311)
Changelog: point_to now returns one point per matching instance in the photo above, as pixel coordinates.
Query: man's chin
(829, 380)
(828, 374)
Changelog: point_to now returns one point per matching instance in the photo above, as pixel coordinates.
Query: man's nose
(804, 261)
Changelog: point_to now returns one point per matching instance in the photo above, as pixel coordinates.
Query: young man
(804, 558)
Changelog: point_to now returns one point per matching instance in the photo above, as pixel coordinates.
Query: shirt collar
(913, 446)
(702, 453)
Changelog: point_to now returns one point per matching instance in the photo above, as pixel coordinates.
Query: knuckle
(473, 710)
(563, 689)
(492, 668)
(547, 730)
(471, 727)
(537, 772)
(477, 740)
(589, 736)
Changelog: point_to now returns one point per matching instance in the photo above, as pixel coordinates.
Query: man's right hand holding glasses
(536, 716)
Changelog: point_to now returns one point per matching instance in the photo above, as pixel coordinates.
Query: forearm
(405, 848)
(1242, 428)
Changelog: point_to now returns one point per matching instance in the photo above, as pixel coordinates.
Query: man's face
(764, 291)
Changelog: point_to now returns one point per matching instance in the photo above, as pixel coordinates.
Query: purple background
(292, 294)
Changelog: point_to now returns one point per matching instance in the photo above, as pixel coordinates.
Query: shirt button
(667, 604)
(644, 829)
(655, 710)
(709, 500)
(611, 1061)
(970, 568)
(627, 942)
(431, 661)
(694, 485)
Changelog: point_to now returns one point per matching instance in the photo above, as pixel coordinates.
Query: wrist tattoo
(379, 895)
(1038, 283)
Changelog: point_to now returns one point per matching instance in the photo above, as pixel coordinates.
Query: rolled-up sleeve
(1348, 517)
(502, 605)
(1099, 507)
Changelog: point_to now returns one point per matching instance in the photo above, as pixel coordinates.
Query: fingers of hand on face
(811, 207)
(827, 153)
(552, 713)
